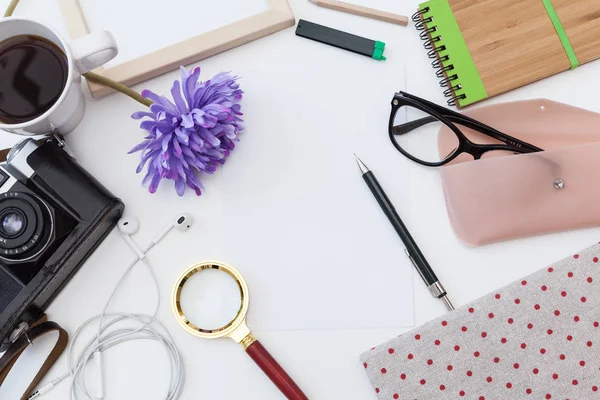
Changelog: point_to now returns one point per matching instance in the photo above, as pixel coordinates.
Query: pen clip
(412, 260)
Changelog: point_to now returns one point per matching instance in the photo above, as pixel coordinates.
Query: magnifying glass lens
(211, 299)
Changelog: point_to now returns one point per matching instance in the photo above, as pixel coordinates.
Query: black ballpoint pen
(412, 250)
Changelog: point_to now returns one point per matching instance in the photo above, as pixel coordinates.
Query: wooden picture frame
(278, 17)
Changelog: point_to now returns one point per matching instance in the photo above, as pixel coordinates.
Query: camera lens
(25, 225)
(13, 223)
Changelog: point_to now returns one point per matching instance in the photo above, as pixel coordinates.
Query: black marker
(412, 250)
(356, 44)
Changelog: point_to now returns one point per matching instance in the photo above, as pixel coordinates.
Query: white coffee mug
(83, 55)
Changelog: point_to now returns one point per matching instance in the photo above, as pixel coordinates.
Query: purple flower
(195, 132)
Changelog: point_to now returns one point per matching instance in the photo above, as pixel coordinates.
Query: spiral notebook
(483, 48)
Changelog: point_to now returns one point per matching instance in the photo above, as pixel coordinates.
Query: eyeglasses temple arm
(469, 123)
(412, 125)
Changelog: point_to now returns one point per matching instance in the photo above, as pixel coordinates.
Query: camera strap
(26, 339)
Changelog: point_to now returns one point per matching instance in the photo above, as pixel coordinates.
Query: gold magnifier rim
(192, 329)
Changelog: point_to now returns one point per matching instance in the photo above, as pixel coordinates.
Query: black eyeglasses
(415, 126)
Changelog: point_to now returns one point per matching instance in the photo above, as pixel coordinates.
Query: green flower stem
(11, 8)
(92, 77)
(119, 87)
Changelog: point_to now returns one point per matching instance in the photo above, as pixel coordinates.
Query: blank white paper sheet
(299, 221)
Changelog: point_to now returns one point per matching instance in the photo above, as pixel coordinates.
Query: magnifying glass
(210, 301)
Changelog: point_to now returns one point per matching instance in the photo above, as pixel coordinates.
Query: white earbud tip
(128, 225)
(184, 222)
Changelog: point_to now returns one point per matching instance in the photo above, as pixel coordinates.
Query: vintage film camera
(53, 215)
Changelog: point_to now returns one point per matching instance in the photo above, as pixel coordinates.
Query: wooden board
(278, 17)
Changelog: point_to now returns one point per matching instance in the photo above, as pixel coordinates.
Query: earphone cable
(150, 328)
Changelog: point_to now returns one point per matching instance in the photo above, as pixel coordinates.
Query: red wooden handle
(273, 370)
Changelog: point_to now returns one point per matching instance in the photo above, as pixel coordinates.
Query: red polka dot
(469, 373)
(556, 312)
(464, 329)
(403, 376)
(481, 398)
(376, 390)
(476, 354)
(442, 387)
(536, 371)
(583, 299)
(574, 382)
(569, 338)
(444, 323)
(596, 324)
(422, 381)
(589, 344)
(461, 393)
(523, 283)
(563, 293)
(548, 396)
(582, 363)
(576, 318)
(491, 315)
(417, 337)
(549, 331)
(449, 367)
(456, 348)
(471, 310)
(589, 279)
(365, 365)
(570, 274)
(483, 334)
(496, 360)
(508, 385)
(437, 342)
(543, 351)
(523, 345)
(497, 296)
(555, 376)
(489, 379)
(537, 307)
(517, 301)
(550, 269)
(529, 325)
(544, 288)
(396, 395)
(528, 391)
(516, 365)
(510, 320)
(503, 340)
(430, 362)
(595, 388)
(576, 256)
(383, 370)
(595, 259)
(391, 351)
(562, 356)
(410, 356)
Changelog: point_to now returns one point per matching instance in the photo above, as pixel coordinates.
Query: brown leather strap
(26, 339)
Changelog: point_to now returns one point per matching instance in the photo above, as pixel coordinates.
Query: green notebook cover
(470, 87)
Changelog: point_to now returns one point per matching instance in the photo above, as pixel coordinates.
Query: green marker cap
(378, 52)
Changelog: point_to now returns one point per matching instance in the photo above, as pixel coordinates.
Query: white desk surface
(324, 363)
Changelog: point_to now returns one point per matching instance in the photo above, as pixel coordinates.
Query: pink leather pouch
(505, 196)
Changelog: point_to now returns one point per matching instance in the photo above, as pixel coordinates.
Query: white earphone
(150, 327)
(130, 225)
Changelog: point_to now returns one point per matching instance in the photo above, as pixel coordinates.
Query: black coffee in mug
(33, 74)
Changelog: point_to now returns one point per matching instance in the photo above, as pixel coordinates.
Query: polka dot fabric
(538, 338)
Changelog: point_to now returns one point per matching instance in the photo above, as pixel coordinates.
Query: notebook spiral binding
(433, 42)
